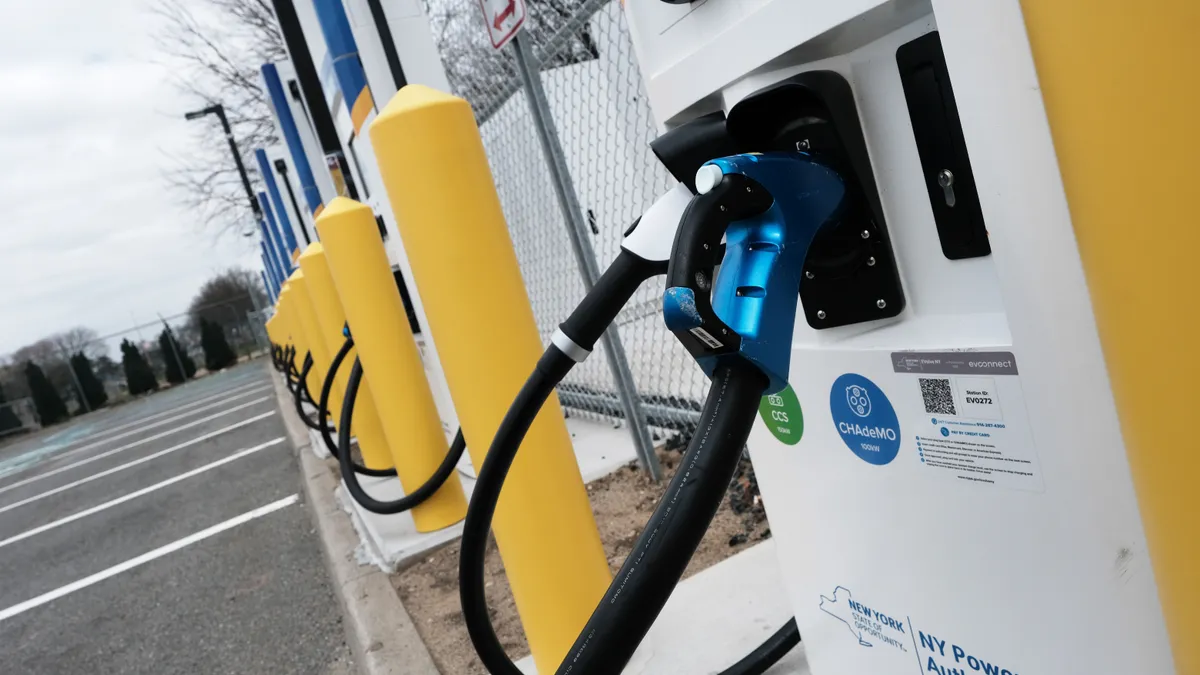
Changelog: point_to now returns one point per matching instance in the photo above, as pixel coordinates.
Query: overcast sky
(90, 236)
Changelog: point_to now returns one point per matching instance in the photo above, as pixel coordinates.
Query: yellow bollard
(437, 178)
(295, 335)
(284, 313)
(330, 344)
(300, 334)
(287, 299)
(299, 300)
(327, 311)
(358, 266)
(282, 319)
(274, 327)
(371, 441)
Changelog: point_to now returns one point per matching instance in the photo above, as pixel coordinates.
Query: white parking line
(140, 460)
(143, 441)
(155, 425)
(113, 571)
(137, 493)
(185, 406)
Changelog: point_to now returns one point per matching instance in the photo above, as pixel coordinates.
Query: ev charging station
(412, 45)
(295, 127)
(366, 63)
(945, 475)
(940, 454)
(281, 170)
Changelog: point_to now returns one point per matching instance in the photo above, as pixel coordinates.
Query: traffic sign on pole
(503, 19)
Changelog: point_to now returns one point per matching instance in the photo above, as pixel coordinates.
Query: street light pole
(219, 110)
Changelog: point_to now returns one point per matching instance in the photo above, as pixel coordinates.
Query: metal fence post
(174, 349)
(585, 256)
(258, 325)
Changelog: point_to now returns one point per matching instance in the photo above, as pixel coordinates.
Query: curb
(379, 630)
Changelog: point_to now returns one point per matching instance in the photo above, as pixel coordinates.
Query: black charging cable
(289, 367)
(301, 394)
(662, 551)
(422, 493)
(323, 414)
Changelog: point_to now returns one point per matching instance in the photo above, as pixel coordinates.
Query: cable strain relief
(569, 347)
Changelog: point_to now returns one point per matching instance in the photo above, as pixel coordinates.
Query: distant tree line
(74, 366)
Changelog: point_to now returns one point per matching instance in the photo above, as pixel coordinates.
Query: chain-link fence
(603, 122)
(17, 417)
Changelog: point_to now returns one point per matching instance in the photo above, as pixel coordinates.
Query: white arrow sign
(503, 19)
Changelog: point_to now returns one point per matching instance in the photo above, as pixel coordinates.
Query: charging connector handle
(687, 304)
(768, 207)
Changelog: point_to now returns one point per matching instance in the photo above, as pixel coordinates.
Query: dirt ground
(622, 503)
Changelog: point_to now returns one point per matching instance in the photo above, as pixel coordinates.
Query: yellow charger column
(357, 266)
(371, 441)
(436, 173)
(1102, 65)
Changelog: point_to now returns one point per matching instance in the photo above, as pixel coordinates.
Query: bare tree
(215, 49)
(225, 299)
(80, 339)
(53, 354)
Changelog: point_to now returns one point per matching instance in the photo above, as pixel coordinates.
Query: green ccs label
(781, 413)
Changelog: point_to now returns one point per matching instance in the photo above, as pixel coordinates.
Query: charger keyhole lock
(945, 164)
(945, 179)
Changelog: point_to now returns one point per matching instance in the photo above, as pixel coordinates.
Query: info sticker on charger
(971, 423)
(781, 413)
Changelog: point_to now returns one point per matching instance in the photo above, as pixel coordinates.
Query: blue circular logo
(865, 419)
(945, 431)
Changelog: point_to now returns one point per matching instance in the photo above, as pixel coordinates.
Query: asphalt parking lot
(166, 535)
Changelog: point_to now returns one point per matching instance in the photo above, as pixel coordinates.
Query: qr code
(938, 396)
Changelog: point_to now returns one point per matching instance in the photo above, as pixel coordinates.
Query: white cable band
(567, 346)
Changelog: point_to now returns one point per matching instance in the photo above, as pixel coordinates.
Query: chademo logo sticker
(865, 419)
(781, 413)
